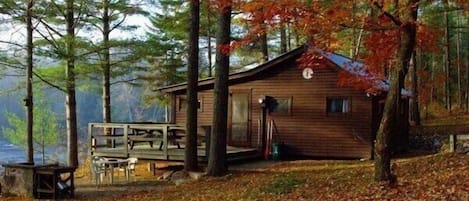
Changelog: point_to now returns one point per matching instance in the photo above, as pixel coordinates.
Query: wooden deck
(114, 140)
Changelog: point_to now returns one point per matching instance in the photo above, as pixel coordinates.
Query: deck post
(452, 142)
(126, 139)
(90, 138)
(165, 141)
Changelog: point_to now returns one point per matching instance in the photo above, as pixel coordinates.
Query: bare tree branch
(387, 14)
(124, 81)
(12, 43)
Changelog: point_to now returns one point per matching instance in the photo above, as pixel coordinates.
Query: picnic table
(151, 133)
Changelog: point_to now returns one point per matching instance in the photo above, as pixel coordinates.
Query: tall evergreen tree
(190, 161)
(29, 79)
(107, 16)
(217, 165)
(22, 12)
(70, 97)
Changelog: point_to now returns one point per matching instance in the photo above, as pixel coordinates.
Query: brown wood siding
(308, 130)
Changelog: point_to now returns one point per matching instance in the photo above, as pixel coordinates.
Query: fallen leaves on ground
(431, 177)
(434, 177)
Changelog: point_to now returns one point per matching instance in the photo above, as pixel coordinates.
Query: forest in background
(158, 58)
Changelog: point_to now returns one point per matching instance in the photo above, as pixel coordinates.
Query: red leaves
(311, 60)
(225, 49)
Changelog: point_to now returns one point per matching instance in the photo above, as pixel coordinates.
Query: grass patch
(283, 184)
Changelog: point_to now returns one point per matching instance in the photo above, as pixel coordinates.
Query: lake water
(10, 152)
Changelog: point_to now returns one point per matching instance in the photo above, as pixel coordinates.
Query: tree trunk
(467, 77)
(354, 30)
(458, 59)
(390, 122)
(209, 41)
(29, 80)
(217, 158)
(263, 41)
(70, 99)
(447, 59)
(106, 65)
(414, 99)
(283, 39)
(190, 160)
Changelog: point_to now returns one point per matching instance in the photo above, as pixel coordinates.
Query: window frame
(344, 99)
(289, 104)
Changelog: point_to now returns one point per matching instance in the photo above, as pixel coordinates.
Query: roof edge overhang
(239, 75)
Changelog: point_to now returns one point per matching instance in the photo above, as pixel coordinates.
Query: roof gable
(240, 75)
(354, 67)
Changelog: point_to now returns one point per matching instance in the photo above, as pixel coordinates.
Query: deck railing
(109, 133)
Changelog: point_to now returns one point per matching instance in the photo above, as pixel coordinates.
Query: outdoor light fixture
(268, 102)
(262, 101)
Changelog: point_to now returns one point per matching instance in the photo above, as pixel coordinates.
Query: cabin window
(182, 104)
(338, 105)
(283, 105)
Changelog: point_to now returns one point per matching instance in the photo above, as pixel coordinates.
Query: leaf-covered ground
(430, 177)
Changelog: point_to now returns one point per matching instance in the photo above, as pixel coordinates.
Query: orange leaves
(307, 18)
(357, 82)
(427, 38)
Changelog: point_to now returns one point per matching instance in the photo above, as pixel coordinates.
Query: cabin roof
(239, 75)
(343, 62)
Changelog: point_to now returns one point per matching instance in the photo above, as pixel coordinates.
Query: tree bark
(447, 59)
(190, 160)
(70, 99)
(390, 123)
(209, 41)
(467, 78)
(29, 80)
(217, 158)
(458, 59)
(283, 39)
(414, 99)
(264, 45)
(106, 65)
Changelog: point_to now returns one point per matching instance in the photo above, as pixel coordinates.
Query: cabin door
(239, 119)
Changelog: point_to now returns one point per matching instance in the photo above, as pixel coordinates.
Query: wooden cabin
(313, 116)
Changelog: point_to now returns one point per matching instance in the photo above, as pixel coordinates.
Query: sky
(12, 32)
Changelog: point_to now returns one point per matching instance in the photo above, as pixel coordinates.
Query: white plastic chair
(129, 168)
(131, 164)
(99, 169)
